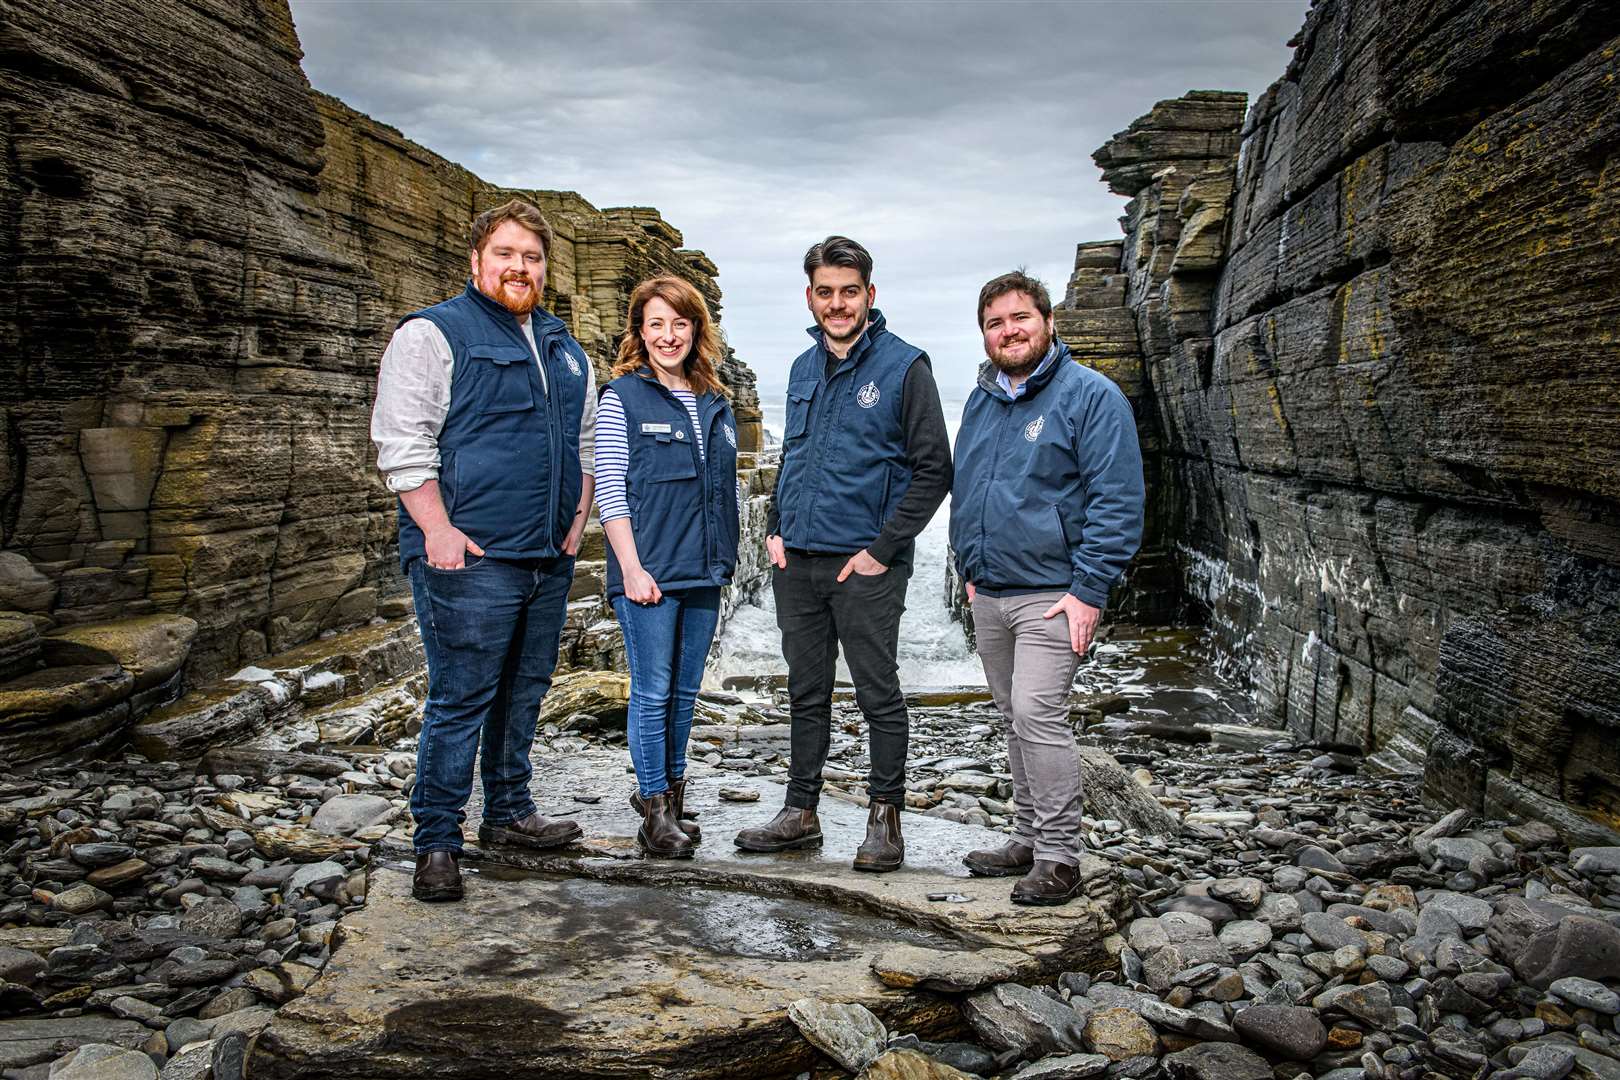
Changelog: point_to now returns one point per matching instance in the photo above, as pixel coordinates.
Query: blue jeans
(490, 632)
(666, 644)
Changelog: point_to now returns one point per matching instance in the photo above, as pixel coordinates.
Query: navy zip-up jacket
(509, 468)
(844, 463)
(1048, 491)
(683, 505)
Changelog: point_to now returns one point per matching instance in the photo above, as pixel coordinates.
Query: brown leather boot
(438, 877)
(660, 835)
(1048, 884)
(790, 828)
(1008, 859)
(677, 791)
(535, 831)
(883, 849)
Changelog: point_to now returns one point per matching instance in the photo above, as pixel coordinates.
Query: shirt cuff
(409, 479)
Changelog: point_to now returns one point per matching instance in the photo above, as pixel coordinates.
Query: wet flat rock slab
(590, 962)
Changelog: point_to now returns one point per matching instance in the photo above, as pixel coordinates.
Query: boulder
(1120, 1034)
(1217, 1061)
(1291, 1031)
(150, 647)
(19, 645)
(22, 587)
(344, 815)
(1016, 1018)
(103, 1061)
(1112, 792)
(849, 1034)
(587, 701)
(910, 1065)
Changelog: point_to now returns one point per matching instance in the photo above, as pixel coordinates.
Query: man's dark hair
(1019, 282)
(839, 251)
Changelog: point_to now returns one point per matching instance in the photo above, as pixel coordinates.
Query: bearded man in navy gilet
(865, 463)
(483, 421)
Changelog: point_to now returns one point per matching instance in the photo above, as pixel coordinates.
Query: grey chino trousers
(1030, 667)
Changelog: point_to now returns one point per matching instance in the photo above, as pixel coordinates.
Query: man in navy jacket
(483, 422)
(866, 461)
(1046, 513)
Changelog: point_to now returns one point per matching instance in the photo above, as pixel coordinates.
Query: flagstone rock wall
(1378, 377)
(202, 260)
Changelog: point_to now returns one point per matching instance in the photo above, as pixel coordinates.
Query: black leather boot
(660, 835)
(1048, 884)
(438, 877)
(883, 849)
(790, 828)
(1008, 859)
(677, 790)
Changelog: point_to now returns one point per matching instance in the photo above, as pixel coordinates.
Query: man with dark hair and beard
(483, 425)
(1046, 513)
(866, 461)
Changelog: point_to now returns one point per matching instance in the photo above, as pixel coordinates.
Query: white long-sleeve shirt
(413, 399)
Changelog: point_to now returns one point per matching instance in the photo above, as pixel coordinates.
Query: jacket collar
(1059, 354)
(645, 374)
(543, 321)
(875, 325)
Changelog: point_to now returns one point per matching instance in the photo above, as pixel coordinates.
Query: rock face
(1362, 332)
(203, 259)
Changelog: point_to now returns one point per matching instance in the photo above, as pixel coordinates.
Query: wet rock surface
(1251, 926)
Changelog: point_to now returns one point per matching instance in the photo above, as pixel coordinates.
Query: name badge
(655, 429)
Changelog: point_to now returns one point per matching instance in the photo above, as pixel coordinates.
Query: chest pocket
(800, 396)
(502, 373)
(664, 457)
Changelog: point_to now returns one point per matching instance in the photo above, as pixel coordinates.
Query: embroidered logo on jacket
(573, 365)
(731, 435)
(1032, 430)
(867, 396)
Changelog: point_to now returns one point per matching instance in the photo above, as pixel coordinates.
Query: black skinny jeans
(817, 614)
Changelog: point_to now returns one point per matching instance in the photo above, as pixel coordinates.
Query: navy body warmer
(509, 470)
(844, 464)
(683, 506)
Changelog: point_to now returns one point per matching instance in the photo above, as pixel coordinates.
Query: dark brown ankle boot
(1008, 859)
(660, 836)
(677, 796)
(791, 828)
(677, 791)
(1047, 883)
(883, 849)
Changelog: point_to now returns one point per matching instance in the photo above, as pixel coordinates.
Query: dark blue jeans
(666, 644)
(490, 631)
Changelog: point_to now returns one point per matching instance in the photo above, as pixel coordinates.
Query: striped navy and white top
(613, 450)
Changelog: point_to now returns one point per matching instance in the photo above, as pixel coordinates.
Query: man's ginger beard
(518, 306)
(1042, 342)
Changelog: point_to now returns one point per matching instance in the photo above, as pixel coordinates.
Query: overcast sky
(954, 140)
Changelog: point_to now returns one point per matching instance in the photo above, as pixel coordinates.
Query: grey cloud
(953, 139)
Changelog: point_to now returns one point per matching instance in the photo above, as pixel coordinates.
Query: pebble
(1318, 915)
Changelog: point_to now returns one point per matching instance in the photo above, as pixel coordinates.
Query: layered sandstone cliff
(202, 260)
(1370, 333)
